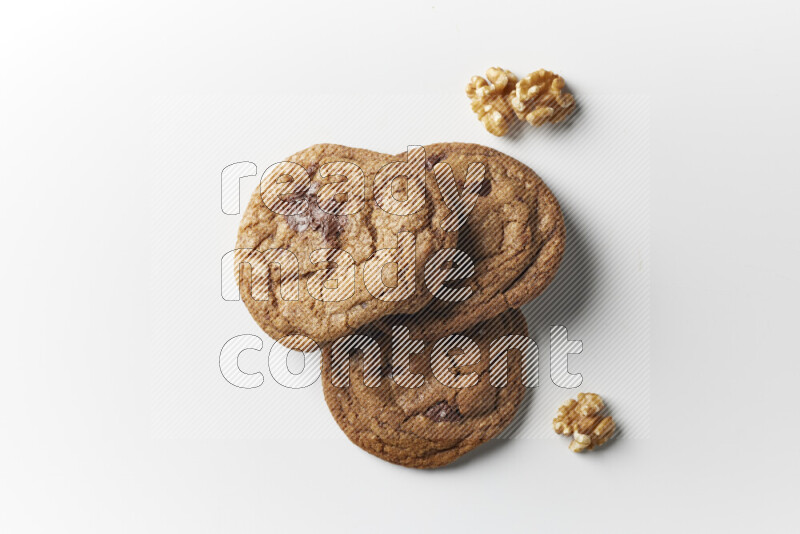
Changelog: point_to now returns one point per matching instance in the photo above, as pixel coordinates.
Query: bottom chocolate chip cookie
(425, 407)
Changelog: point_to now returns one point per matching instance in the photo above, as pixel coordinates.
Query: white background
(79, 452)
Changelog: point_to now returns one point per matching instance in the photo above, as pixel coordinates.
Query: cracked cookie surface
(311, 227)
(514, 236)
(433, 424)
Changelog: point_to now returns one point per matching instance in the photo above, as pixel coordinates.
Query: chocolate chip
(442, 412)
(433, 160)
(294, 196)
(486, 188)
(311, 216)
(387, 370)
(312, 169)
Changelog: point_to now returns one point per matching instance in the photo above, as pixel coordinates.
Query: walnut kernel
(583, 420)
(490, 99)
(538, 98)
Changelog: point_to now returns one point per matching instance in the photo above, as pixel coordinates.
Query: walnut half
(583, 420)
(490, 99)
(538, 98)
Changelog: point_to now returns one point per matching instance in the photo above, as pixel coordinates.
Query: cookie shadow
(575, 286)
(569, 296)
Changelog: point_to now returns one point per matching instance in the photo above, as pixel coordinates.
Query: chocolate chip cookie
(317, 236)
(425, 407)
(514, 235)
